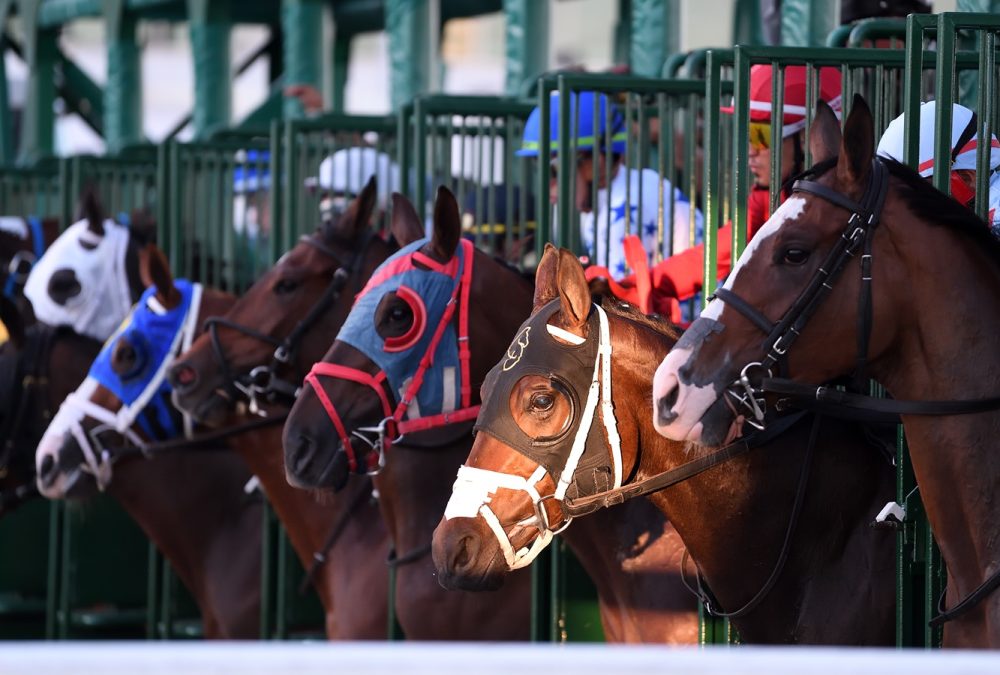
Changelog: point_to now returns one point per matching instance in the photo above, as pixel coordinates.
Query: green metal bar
(527, 43)
(713, 182)
(567, 167)
(807, 23)
(741, 172)
(945, 94)
(302, 24)
(869, 30)
(839, 36)
(266, 573)
(7, 150)
(122, 118)
(54, 574)
(338, 71)
(420, 156)
(40, 55)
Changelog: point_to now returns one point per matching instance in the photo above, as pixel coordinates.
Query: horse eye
(285, 286)
(542, 402)
(796, 256)
(399, 314)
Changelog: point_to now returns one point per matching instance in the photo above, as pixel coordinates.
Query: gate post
(40, 55)
(210, 26)
(302, 29)
(806, 23)
(123, 91)
(527, 29)
(414, 28)
(655, 35)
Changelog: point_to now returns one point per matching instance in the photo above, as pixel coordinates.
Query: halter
(264, 381)
(473, 487)
(98, 460)
(392, 428)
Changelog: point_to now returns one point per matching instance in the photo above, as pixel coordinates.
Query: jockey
(682, 275)
(344, 174)
(609, 139)
(964, 142)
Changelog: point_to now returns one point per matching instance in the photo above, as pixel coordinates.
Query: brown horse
(39, 366)
(192, 505)
(300, 303)
(627, 563)
(935, 280)
(835, 585)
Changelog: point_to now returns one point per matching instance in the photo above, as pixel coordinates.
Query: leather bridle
(265, 380)
(756, 379)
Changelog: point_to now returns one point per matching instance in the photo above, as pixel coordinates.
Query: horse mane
(947, 212)
(626, 310)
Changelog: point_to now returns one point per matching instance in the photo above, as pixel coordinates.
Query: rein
(264, 380)
(749, 391)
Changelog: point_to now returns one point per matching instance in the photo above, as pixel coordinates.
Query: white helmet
(891, 145)
(348, 170)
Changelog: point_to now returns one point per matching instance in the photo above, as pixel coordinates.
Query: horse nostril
(665, 407)
(465, 553)
(183, 376)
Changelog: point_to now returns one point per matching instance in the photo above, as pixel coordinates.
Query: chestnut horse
(298, 304)
(928, 285)
(192, 505)
(623, 561)
(544, 442)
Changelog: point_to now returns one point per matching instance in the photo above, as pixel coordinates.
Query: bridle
(22, 261)
(392, 428)
(756, 379)
(264, 381)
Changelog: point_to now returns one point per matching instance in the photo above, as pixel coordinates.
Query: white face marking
(790, 210)
(692, 402)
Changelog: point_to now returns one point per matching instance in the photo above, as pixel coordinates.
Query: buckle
(750, 398)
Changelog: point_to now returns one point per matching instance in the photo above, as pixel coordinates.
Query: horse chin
(719, 425)
(482, 568)
(73, 485)
(214, 411)
(307, 468)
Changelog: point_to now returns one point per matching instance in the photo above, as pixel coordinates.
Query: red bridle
(393, 427)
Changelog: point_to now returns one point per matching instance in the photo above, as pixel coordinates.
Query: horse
(557, 440)
(192, 505)
(39, 365)
(620, 571)
(296, 306)
(921, 294)
(22, 242)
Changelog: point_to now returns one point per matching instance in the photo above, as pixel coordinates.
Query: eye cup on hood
(408, 339)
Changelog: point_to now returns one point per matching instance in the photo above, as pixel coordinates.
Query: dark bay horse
(22, 242)
(927, 334)
(191, 504)
(628, 563)
(300, 303)
(39, 366)
(836, 585)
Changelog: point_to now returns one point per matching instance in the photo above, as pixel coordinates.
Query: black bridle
(756, 379)
(264, 380)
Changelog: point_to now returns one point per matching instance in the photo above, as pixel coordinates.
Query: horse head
(261, 347)
(708, 386)
(123, 404)
(431, 319)
(546, 434)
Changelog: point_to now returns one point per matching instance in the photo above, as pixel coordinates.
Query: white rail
(380, 658)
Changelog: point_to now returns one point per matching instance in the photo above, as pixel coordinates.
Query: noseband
(264, 381)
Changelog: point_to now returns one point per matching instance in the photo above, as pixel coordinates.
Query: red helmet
(795, 105)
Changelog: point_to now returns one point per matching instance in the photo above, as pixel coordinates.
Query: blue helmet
(586, 138)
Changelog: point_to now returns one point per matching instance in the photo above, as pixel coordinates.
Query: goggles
(760, 135)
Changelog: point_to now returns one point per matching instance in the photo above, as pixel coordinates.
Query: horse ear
(547, 277)
(574, 293)
(405, 226)
(358, 214)
(12, 320)
(142, 226)
(447, 225)
(89, 209)
(155, 271)
(858, 145)
(824, 135)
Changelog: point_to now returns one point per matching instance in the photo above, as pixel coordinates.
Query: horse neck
(50, 230)
(747, 502)
(192, 505)
(949, 316)
(499, 301)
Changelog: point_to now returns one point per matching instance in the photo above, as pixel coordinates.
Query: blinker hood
(534, 351)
